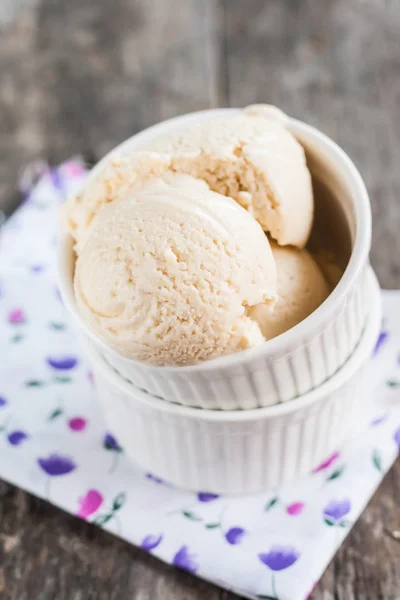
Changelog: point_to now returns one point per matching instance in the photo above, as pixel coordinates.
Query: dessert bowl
(300, 359)
(236, 452)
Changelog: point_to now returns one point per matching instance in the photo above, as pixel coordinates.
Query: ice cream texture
(173, 262)
(301, 289)
(169, 273)
(249, 156)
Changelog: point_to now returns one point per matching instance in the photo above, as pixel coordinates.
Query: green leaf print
(271, 503)
(344, 523)
(191, 516)
(34, 383)
(393, 383)
(57, 326)
(56, 413)
(119, 501)
(377, 460)
(16, 338)
(102, 519)
(62, 379)
(336, 474)
(212, 525)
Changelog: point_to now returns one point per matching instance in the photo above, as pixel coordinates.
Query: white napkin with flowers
(55, 444)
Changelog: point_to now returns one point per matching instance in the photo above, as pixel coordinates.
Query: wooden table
(79, 76)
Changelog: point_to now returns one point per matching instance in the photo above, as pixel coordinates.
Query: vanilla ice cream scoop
(169, 273)
(301, 289)
(249, 156)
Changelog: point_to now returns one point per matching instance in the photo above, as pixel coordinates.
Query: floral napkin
(55, 444)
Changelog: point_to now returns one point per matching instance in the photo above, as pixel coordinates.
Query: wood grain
(80, 76)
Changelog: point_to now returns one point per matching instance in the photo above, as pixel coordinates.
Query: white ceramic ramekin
(296, 361)
(236, 452)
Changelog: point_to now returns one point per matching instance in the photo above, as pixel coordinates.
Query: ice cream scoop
(168, 273)
(301, 289)
(249, 156)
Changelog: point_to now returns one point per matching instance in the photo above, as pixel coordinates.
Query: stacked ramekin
(258, 418)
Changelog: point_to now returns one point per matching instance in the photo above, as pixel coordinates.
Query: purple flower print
(154, 478)
(3, 401)
(295, 508)
(90, 377)
(379, 420)
(89, 504)
(279, 558)
(335, 511)
(151, 541)
(235, 535)
(15, 438)
(56, 179)
(56, 465)
(64, 363)
(37, 268)
(77, 423)
(327, 463)
(206, 496)
(110, 443)
(16, 316)
(379, 342)
(186, 560)
(396, 437)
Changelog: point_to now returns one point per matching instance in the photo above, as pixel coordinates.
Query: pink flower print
(16, 316)
(91, 377)
(327, 463)
(311, 591)
(295, 509)
(89, 504)
(77, 423)
(73, 168)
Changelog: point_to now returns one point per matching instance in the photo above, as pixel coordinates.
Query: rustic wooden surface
(80, 76)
